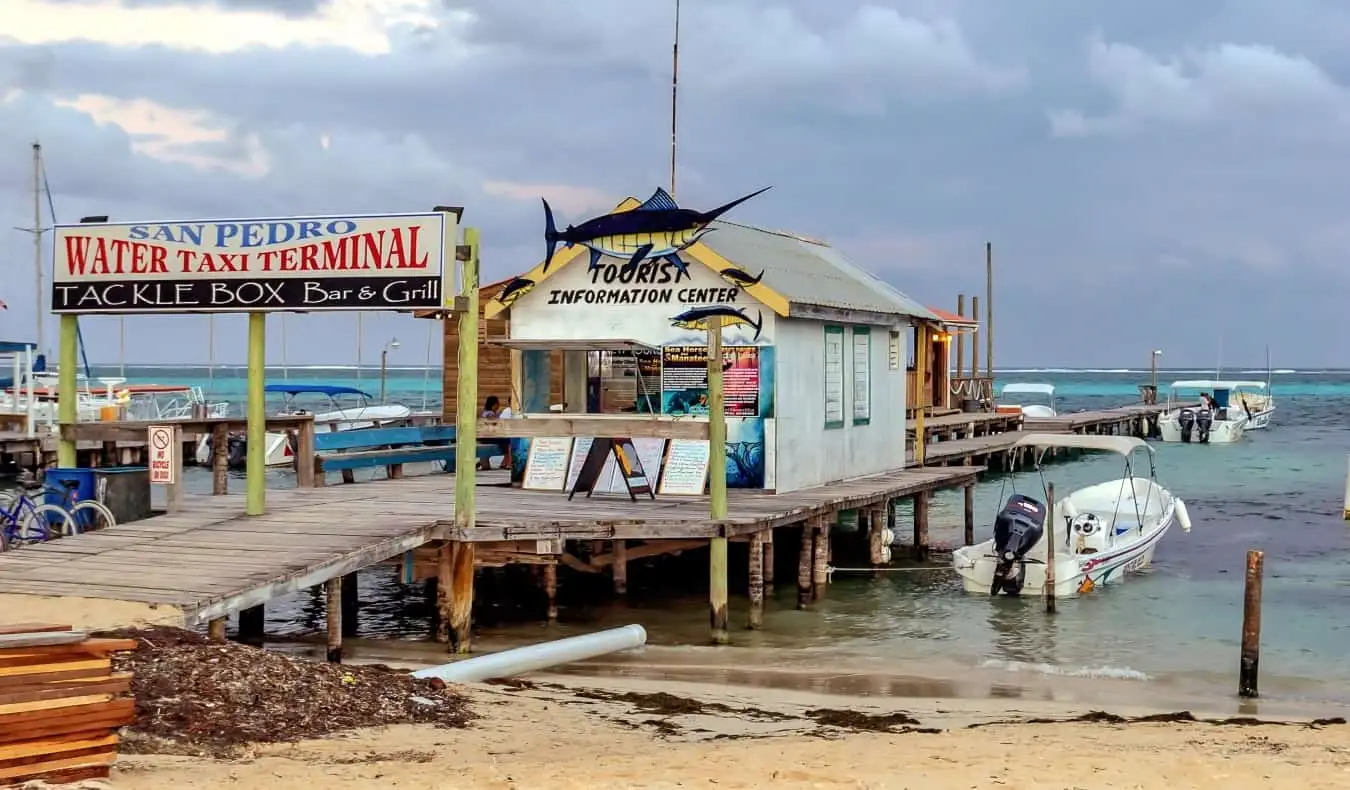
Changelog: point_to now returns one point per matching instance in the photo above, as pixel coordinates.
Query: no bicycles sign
(163, 455)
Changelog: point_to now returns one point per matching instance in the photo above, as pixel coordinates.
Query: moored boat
(1102, 532)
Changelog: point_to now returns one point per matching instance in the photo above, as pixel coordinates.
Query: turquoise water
(1175, 628)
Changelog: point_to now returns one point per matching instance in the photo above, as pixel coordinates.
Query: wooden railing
(977, 387)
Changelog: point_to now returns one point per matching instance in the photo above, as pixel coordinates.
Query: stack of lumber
(60, 704)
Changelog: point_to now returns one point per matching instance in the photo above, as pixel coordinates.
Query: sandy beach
(604, 733)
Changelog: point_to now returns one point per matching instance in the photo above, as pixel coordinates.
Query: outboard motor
(237, 455)
(1203, 422)
(1186, 421)
(1017, 528)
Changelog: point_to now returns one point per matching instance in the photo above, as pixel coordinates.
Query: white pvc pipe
(545, 654)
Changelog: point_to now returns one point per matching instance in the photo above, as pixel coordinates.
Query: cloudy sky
(1152, 174)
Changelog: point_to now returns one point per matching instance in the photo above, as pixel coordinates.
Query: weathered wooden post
(1250, 658)
(717, 485)
(756, 580)
(619, 567)
(821, 557)
(920, 550)
(969, 496)
(255, 481)
(220, 459)
(1050, 549)
(551, 589)
(455, 563)
(333, 612)
(1347, 495)
(768, 560)
(805, 556)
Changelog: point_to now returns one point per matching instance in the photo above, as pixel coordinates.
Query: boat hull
(1075, 573)
(1220, 432)
(1260, 419)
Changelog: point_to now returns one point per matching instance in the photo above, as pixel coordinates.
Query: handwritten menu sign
(546, 468)
(685, 469)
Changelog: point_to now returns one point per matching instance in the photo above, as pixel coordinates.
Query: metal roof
(809, 272)
(1123, 445)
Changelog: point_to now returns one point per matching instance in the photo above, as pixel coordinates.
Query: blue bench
(391, 448)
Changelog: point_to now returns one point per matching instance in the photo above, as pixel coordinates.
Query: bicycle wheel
(6, 500)
(45, 522)
(91, 514)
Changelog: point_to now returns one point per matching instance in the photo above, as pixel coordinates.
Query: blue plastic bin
(56, 485)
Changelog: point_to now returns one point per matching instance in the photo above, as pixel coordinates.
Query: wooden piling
(756, 580)
(989, 311)
(820, 561)
(805, 555)
(220, 460)
(445, 575)
(718, 591)
(768, 560)
(975, 337)
(969, 536)
(876, 532)
(920, 550)
(333, 614)
(1049, 586)
(216, 629)
(620, 567)
(551, 590)
(461, 598)
(1251, 625)
(961, 341)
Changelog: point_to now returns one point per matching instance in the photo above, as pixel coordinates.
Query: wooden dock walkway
(208, 560)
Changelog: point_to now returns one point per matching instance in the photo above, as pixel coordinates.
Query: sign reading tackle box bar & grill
(292, 264)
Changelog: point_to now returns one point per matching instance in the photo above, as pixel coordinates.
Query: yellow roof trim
(698, 251)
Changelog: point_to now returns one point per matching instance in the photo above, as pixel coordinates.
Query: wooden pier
(208, 561)
(988, 438)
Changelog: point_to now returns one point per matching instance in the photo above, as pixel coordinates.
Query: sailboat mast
(41, 338)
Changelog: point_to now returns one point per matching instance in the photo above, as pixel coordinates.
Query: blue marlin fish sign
(657, 229)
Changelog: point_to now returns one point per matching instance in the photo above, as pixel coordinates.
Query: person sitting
(492, 410)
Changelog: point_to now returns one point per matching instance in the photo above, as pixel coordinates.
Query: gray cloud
(1125, 161)
(290, 8)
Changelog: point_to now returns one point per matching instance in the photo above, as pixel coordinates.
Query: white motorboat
(340, 415)
(1101, 533)
(1185, 422)
(1255, 400)
(1034, 410)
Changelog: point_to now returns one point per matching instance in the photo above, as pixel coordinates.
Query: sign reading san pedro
(371, 262)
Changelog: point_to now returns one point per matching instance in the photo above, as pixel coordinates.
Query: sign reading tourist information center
(372, 262)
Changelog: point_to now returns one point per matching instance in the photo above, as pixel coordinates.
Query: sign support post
(717, 483)
(256, 461)
(466, 448)
(67, 396)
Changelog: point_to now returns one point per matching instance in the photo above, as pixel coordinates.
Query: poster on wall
(648, 381)
(684, 380)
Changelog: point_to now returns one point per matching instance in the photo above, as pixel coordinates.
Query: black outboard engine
(1203, 422)
(1186, 421)
(1017, 528)
(237, 454)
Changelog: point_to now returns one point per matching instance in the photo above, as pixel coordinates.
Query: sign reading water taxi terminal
(367, 262)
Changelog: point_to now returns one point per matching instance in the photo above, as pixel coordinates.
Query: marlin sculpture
(697, 318)
(656, 229)
(515, 289)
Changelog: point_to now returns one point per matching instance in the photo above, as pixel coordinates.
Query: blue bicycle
(24, 520)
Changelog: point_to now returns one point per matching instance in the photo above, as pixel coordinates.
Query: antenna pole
(674, 94)
(38, 230)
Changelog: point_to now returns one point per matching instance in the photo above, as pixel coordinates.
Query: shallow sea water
(1174, 629)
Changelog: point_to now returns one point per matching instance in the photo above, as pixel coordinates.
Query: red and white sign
(163, 455)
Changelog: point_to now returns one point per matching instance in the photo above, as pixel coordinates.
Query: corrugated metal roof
(810, 272)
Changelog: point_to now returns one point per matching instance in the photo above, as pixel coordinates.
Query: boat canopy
(1124, 445)
(1207, 384)
(1043, 389)
(318, 389)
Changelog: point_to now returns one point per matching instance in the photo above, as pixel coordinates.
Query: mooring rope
(830, 570)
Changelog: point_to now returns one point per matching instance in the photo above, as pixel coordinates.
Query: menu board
(547, 466)
(580, 447)
(650, 452)
(685, 467)
(684, 380)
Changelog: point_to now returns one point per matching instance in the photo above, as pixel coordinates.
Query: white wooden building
(815, 393)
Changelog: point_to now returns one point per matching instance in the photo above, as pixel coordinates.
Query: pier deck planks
(209, 560)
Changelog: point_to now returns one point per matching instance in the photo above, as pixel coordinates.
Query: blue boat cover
(318, 389)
